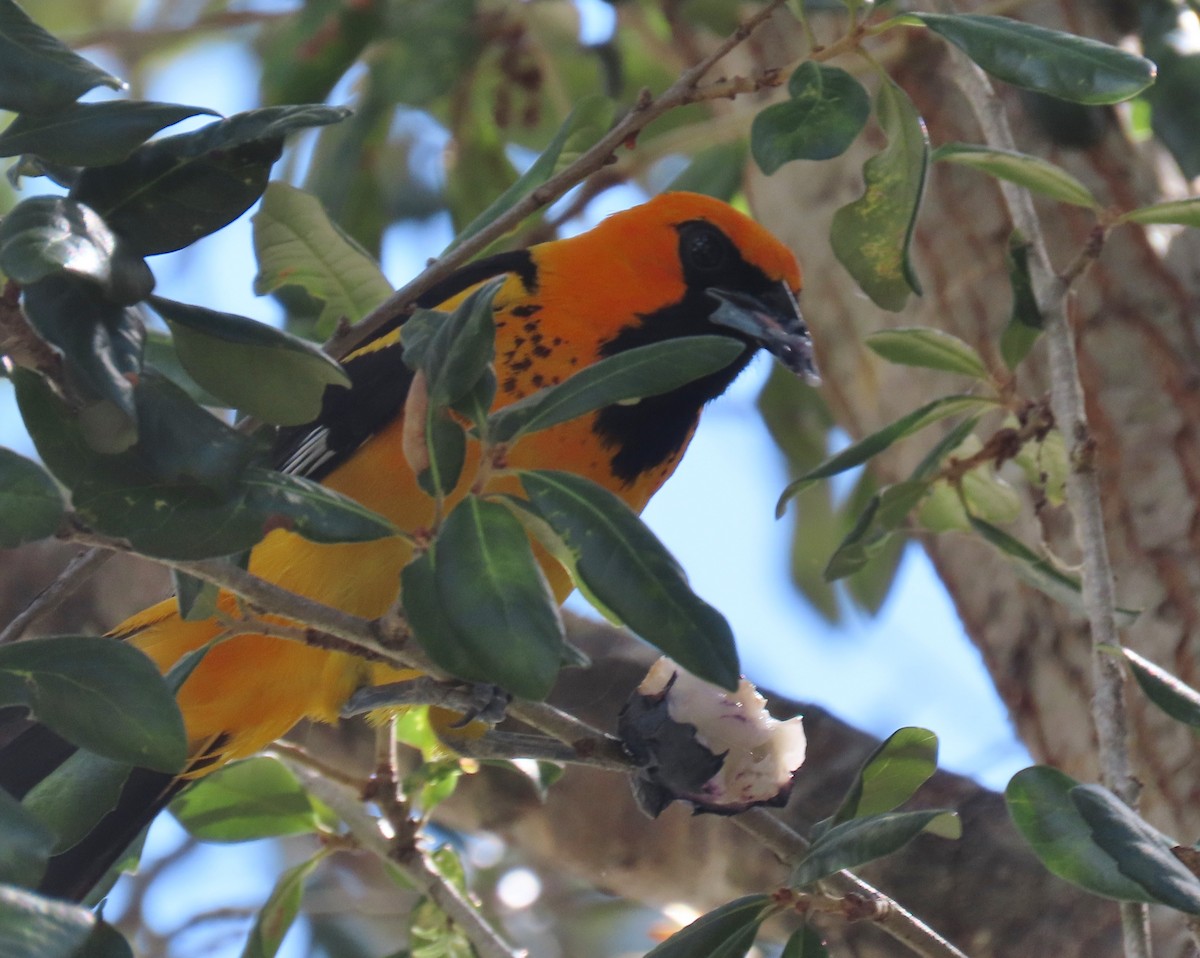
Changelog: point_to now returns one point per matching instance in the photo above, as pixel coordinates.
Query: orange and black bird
(653, 273)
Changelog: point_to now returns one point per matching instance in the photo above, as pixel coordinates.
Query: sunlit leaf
(891, 775)
(1039, 801)
(861, 840)
(279, 912)
(1178, 699)
(927, 348)
(872, 236)
(1059, 64)
(97, 693)
(1175, 212)
(297, 244)
(1031, 172)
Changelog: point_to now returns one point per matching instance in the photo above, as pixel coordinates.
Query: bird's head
(725, 273)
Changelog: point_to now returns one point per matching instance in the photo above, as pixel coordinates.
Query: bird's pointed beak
(773, 321)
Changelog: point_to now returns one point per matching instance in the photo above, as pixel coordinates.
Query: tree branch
(1109, 714)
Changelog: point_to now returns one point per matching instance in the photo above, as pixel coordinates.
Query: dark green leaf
(170, 192)
(883, 514)
(629, 375)
(716, 171)
(105, 942)
(805, 943)
(257, 798)
(46, 235)
(280, 910)
(1175, 212)
(35, 927)
(1039, 801)
(858, 453)
(446, 444)
(1040, 572)
(73, 798)
(1174, 108)
(25, 844)
(589, 119)
(1033, 57)
(871, 237)
(928, 348)
(1140, 851)
(861, 840)
(297, 244)
(31, 506)
(620, 563)
(1176, 698)
(92, 134)
(725, 932)
(827, 110)
(1031, 172)
(39, 73)
(225, 514)
(160, 357)
(491, 617)
(891, 774)
(453, 351)
(99, 694)
(265, 372)
(100, 340)
(1025, 324)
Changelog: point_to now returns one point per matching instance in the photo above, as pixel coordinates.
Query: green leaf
(490, 616)
(199, 507)
(1140, 851)
(928, 348)
(858, 453)
(1039, 572)
(106, 942)
(453, 351)
(827, 110)
(31, 507)
(1039, 801)
(39, 73)
(805, 943)
(861, 840)
(297, 244)
(1058, 64)
(97, 693)
(25, 844)
(1025, 323)
(92, 134)
(243, 801)
(35, 927)
(872, 236)
(1175, 212)
(197, 599)
(716, 171)
(100, 340)
(265, 372)
(169, 193)
(628, 376)
(279, 912)
(1178, 699)
(883, 514)
(73, 798)
(621, 563)
(1031, 172)
(46, 235)
(725, 932)
(589, 120)
(430, 930)
(891, 774)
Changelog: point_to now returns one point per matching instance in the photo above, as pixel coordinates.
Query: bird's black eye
(703, 247)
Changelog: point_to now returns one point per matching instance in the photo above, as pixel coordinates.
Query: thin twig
(648, 108)
(1083, 487)
(365, 829)
(889, 915)
(73, 575)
